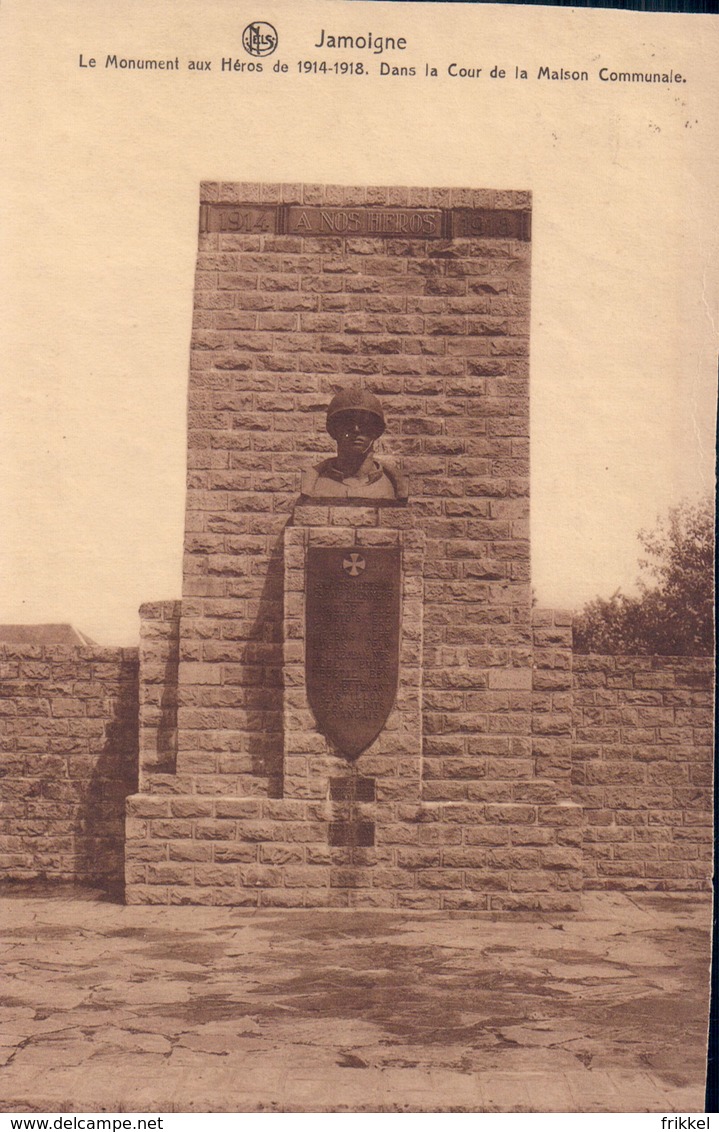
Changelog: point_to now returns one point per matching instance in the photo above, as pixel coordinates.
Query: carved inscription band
(405, 223)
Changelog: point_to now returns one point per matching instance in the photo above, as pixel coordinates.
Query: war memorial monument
(353, 702)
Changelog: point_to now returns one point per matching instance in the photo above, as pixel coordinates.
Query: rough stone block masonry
(421, 297)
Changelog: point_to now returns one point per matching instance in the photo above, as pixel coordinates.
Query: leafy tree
(673, 613)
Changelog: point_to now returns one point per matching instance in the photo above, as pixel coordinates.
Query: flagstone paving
(113, 1008)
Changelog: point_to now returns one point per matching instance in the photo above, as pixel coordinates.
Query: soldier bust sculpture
(355, 421)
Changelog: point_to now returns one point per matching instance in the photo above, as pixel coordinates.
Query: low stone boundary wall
(68, 760)
(642, 769)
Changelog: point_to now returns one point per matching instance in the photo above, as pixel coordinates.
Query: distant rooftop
(61, 634)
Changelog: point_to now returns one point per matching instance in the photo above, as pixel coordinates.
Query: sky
(99, 199)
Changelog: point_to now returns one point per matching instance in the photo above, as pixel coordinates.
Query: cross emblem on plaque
(353, 565)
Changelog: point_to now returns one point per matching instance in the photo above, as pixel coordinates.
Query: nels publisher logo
(259, 38)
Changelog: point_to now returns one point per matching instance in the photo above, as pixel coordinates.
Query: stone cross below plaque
(352, 641)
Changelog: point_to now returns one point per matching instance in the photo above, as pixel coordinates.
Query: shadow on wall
(100, 823)
(166, 758)
(262, 674)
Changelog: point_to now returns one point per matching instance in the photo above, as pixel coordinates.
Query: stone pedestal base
(189, 849)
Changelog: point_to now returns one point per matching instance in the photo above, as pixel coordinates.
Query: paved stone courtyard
(112, 1008)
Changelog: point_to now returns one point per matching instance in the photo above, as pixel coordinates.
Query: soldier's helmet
(354, 399)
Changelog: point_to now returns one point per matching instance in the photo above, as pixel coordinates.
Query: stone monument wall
(439, 329)
(422, 297)
(159, 659)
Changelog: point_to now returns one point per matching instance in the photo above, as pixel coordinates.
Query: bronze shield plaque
(352, 655)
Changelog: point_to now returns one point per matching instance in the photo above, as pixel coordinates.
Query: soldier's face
(354, 432)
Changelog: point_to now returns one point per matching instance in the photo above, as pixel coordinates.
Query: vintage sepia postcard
(357, 489)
